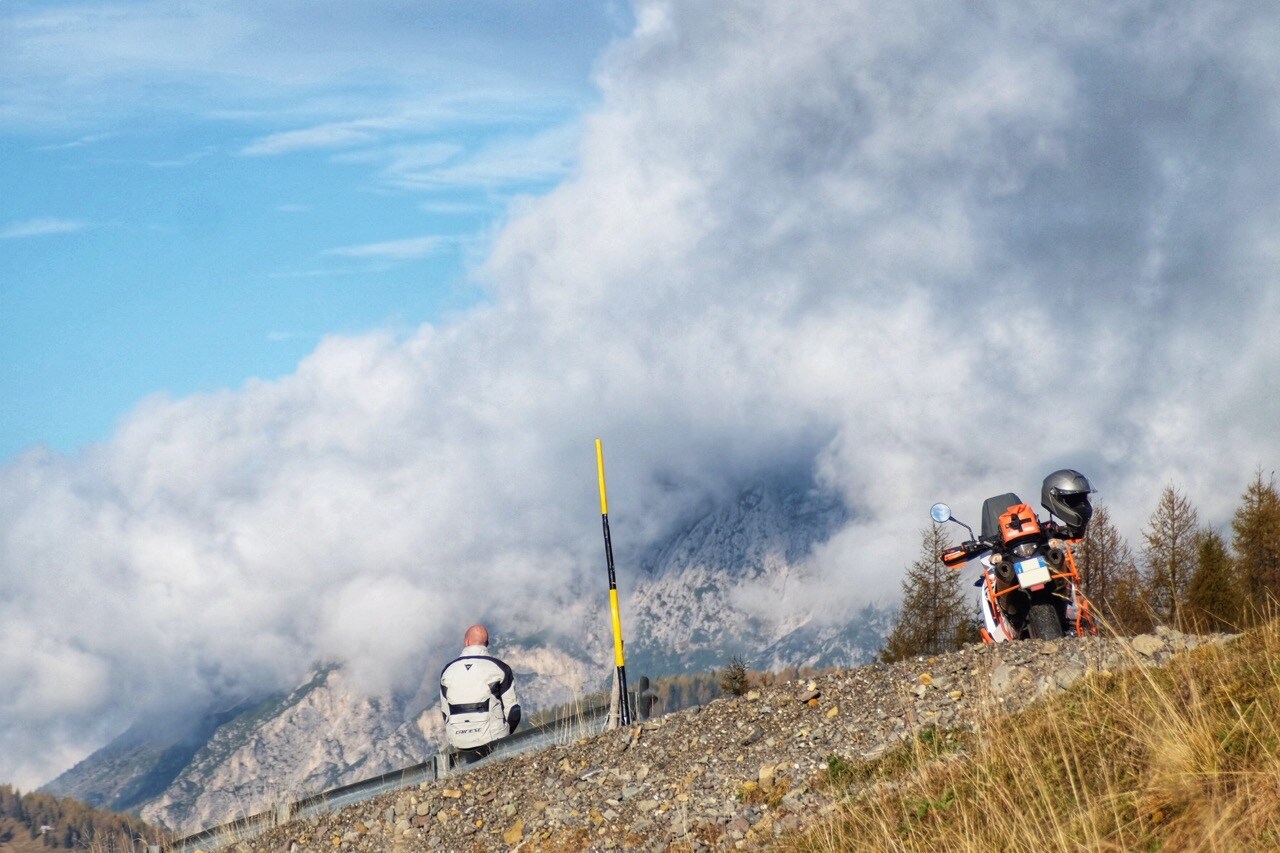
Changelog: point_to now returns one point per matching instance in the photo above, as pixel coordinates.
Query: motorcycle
(1030, 584)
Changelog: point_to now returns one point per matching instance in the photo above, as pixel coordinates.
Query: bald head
(477, 635)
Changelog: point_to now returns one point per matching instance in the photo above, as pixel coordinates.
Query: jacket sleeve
(510, 706)
(444, 701)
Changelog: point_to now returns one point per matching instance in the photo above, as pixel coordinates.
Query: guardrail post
(442, 765)
(284, 813)
(615, 705)
(644, 698)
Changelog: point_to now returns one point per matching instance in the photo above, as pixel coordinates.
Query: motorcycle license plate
(1032, 572)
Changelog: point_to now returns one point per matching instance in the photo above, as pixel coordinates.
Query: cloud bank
(923, 251)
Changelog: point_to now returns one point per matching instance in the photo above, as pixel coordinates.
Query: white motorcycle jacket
(478, 699)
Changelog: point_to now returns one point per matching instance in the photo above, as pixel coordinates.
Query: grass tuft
(1184, 757)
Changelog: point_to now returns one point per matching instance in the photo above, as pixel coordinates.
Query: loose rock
(732, 774)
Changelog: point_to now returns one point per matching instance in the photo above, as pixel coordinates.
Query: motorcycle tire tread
(1044, 623)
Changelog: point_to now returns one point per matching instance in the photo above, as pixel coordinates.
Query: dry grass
(1186, 757)
(575, 723)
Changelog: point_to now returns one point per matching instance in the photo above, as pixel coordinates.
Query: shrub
(733, 678)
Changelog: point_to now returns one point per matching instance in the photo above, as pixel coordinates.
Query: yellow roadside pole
(619, 659)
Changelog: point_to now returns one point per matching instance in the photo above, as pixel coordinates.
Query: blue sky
(193, 194)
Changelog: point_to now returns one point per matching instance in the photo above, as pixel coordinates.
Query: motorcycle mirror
(941, 513)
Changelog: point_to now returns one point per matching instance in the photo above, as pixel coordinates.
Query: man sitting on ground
(477, 698)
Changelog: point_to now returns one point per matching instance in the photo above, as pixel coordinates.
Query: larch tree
(1214, 595)
(935, 614)
(1256, 541)
(1170, 553)
(1110, 576)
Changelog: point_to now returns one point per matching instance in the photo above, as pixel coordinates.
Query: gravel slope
(734, 774)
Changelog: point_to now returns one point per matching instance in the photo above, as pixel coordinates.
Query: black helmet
(1065, 493)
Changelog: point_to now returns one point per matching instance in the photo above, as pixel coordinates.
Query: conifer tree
(1213, 595)
(733, 679)
(935, 611)
(1110, 575)
(1170, 553)
(1256, 541)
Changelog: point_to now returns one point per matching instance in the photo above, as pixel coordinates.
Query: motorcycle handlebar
(963, 553)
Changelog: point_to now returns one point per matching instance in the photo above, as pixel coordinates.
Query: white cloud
(329, 61)
(393, 250)
(82, 142)
(541, 158)
(452, 207)
(342, 135)
(40, 227)
(186, 160)
(926, 251)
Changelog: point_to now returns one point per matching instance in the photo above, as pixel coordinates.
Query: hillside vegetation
(1181, 757)
(37, 821)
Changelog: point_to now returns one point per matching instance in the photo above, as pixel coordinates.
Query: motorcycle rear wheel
(1043, 622)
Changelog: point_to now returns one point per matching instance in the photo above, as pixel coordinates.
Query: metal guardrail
(438, 767)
